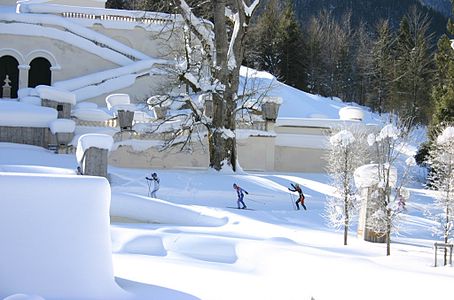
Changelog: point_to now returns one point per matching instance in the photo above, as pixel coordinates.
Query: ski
(240, 208)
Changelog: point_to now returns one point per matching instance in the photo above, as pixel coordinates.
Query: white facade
(91, 52)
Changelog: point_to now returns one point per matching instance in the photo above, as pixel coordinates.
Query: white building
(86, 53)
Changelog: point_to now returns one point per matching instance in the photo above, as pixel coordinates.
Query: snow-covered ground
(190, 245)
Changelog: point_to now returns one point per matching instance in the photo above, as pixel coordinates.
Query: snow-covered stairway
(71, 25)
(57, 27)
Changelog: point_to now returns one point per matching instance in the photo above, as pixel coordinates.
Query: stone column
(161, 111)
(23, 76)
(366, 211)
(94, 162)
(125, 119)
(270, 111)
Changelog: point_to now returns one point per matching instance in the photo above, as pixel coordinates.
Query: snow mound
(86, 105)
(62, 125)
(117, 99)
(91, 114)
(46, 249)
(25, 115)
(23, 297)
(33, 100)
(351, 113)
(35, 169)
(150, 210)
(55, 94)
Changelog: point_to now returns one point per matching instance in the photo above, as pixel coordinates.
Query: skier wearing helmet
(155, 179)
(296, 188)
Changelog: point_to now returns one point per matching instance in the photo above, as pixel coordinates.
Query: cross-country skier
(240, 192)
(155, 179)
(296, 188)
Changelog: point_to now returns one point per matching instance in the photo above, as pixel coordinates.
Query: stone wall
(37, 136)
(63, 109)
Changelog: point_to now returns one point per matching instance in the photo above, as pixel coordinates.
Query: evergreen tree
(276, 44)
(290, 48)
(314, 62)
(363, 65)
(117, 4)
(263, 47)
(414, 68)
(382, 69)
(443, 91)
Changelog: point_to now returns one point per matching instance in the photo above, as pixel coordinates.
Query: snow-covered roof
(20, 114)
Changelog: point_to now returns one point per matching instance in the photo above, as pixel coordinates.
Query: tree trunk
(388, 232)
(446, 237)
(346, 221)
(222, 141)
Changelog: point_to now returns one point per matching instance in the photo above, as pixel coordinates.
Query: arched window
(39, 72)
(9, 66)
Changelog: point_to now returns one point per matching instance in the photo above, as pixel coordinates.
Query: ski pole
(149, 192)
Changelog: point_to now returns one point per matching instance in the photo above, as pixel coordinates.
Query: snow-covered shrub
(387, 197)
(441, 160)
(347, 152)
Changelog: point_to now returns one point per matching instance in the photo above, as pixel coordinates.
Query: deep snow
(190, 246)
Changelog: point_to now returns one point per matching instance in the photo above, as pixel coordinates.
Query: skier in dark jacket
(240, 192)
(296, 188)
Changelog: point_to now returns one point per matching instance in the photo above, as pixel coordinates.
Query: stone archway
(9, 66)
(40, 72)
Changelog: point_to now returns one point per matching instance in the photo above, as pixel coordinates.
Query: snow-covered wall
(54, 231)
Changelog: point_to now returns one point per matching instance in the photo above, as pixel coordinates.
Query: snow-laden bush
(347, 152)
(441, 160)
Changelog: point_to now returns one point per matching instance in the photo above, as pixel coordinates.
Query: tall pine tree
(290, 47)
(381, 73)
(443, 91)
(414, 69)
